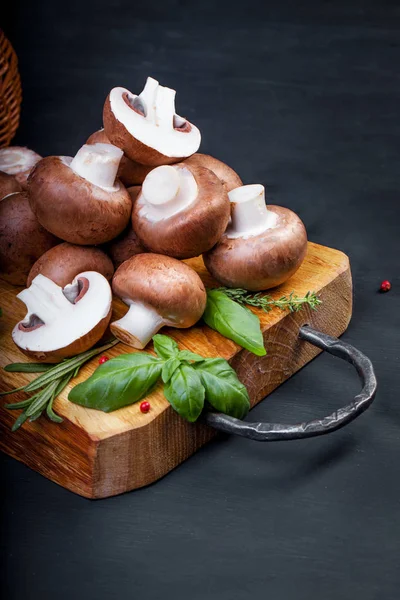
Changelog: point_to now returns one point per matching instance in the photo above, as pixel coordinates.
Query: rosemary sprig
(50, 383)
(292, 302)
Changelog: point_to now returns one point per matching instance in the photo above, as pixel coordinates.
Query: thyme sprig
(292, 302)
(50, 383)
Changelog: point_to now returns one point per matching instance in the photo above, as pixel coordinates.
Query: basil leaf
(164, 346)
(185, 393)
(224, 391)
(169, 369)
(234, 322)
(118, 382)
(187, 355)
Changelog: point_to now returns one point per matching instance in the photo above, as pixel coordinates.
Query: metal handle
(272, 432)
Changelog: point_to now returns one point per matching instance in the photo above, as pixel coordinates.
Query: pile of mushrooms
(139, 198)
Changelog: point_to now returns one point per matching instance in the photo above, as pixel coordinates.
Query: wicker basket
(10, 91)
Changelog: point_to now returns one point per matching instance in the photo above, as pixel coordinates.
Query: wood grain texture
(97, 455)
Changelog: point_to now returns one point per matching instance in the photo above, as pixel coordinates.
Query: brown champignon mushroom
(63, 262)
(181, 211)
(18, 161)
(79, 199)
(230, 179)
(129, 172)
(263, 245)
(22, 239)
(146, 127)
(8, 185)
(159, 291)
(127, 244)
(63, 322)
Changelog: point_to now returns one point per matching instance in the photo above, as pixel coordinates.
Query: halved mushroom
(129, 172)
(263, 245)
(22, 239)
(146, 127)
(18, 161)
(63, 322)
(79, 199)
(159, 291)
(8, 185)
(181, 211)
(63, 262)
(230, 179)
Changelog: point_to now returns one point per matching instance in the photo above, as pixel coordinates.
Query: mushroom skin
(63, 322)
(22, 238)
(229, 178)
(127, 244)
(262, 259)
(186, 224)
(147, 128)
(65, 261)
(18, 161)
(129, 172)
(8, 185)
(159, 291)
(71, 206)
(124, 247)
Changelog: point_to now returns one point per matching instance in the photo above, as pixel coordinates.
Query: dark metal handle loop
(271, 432)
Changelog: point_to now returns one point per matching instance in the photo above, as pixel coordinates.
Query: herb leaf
(164, 346)
(234, 322)
(187, 355)
(185, 392)
(28, 367)
(120, 381)
(169, 368)
(223, 389)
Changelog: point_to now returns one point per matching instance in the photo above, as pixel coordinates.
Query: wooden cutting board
(97, 455)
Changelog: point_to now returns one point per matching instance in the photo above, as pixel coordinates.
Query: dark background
(303, 97)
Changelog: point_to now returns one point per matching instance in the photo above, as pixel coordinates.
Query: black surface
(303, 97)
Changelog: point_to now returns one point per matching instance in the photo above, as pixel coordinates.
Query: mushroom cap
(63, 322)
(129, 172)
(22, 239)
(64, 262)
(18, 161)
(8, 185)
(169, 286)
(74, 209)
(262, 261)
(124, 246)
(144, 141)
(190, 231)
(230, 179)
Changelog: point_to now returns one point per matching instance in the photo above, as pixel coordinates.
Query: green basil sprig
(234, 322)
(190, 381)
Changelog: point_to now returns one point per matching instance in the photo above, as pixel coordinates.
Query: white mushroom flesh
(140, 323)
(166, 191)
(98, 163)
(15, 159)
(151, 119)
(249, 213)
(61, 320)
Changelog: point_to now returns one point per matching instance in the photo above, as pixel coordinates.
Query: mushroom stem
(168, 190)
(98, 163)
(165, 107)
(45, 299)
(138, 326)
(147, 96)
(249, 213)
